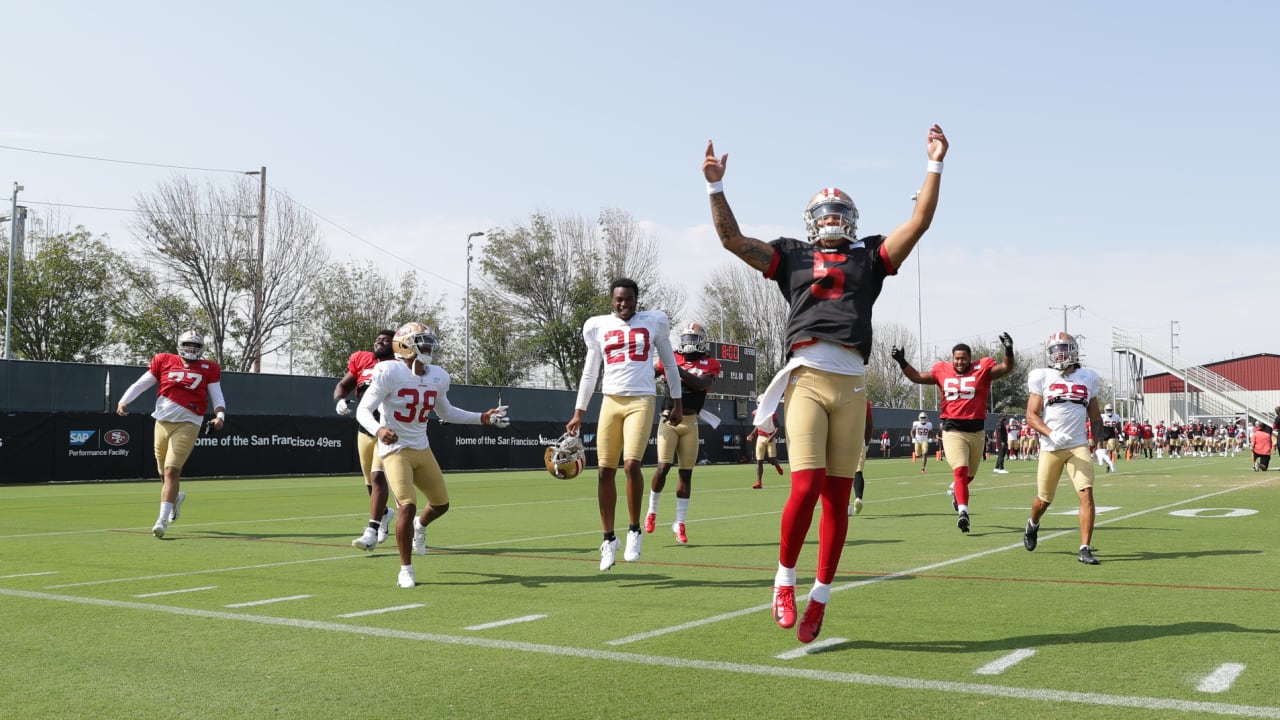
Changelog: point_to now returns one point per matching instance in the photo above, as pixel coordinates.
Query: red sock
(833, 526)
(961, 485)
(797, 514)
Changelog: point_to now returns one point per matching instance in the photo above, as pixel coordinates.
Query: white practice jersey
(405, 400)
(920, 431)
(627, 350)
(1066, 402)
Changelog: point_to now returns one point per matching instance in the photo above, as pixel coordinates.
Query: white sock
(785, 576)
(654, 499)
(962, 509)
(166, 508)
(682, 509)
(820, 592)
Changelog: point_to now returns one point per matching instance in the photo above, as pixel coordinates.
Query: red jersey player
(965, 387)
(188, 384)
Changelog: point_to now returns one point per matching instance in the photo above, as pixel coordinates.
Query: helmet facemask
(693, 339)
(415, 341)
(190, 345)
(1062, 351)
(831, 202)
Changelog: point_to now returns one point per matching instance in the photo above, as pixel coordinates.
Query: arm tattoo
(754, 252)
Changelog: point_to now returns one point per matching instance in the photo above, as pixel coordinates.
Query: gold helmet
(415, 341)
(565, 457)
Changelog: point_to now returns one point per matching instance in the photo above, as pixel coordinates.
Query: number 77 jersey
(964, 396)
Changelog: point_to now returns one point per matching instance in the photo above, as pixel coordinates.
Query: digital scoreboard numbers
(737, 370)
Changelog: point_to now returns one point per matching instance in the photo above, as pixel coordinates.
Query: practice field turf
(255, 605)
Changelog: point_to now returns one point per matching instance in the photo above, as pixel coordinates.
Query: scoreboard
(737, 370)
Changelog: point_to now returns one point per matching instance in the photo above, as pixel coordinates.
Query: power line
(122, 162)
(219, 170)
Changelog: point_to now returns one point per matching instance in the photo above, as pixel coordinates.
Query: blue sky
(1110, 155)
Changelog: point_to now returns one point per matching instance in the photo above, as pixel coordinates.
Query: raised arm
(756, 253)
(899, 356)
(903, 239)
(1005, 366)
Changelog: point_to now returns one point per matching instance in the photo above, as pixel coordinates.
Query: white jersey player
(625, 342)
(405, 391)
(1060, 400)
(921, 433)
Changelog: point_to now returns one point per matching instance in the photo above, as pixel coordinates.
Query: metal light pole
(13, 246)
(467, 371)
(257, 281)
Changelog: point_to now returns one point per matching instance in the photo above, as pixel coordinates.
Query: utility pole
(257, 276)
(467, 363)
(13, 246)
(1064, 309)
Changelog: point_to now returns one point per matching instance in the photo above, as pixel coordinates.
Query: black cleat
(1086, 556)
(1029, 536)
(962, 522)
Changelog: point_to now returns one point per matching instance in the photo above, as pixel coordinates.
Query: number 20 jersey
(1066, 400)
(628, 348)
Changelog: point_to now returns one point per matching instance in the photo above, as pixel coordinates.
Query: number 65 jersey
(1066, 400)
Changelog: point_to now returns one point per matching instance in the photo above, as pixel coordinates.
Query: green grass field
(256, 606)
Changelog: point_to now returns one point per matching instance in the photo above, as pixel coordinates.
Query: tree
(205, 240)
(348, 305)
(500, 356)
(886, 385)
(557, 270)
(64, 293)
(149, 317)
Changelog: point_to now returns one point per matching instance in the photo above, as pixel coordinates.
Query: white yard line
(1221, 679)
(268, 601)
(380, 611)
(501, 623)
(998, 666)
(177, 592)
(846, 678)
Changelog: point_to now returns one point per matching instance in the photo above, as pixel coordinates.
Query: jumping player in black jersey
(831, 281)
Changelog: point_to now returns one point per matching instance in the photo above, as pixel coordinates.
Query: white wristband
(222, 416)
(935, 166)
(715, 187)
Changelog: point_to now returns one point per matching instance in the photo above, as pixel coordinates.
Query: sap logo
(116, 437)
(80, 437)
(588, 437)
(726, 438)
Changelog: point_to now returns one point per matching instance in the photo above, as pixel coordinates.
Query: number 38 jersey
(405, 401)
(627, 349)
(964, 397)
(1066, 400)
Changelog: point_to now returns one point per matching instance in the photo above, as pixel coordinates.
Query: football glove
(899, 356)
(344, 407)
(1007, 342)
(1059, 439)
(496, 417)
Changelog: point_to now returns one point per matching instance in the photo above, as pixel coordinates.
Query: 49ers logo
(116, 438)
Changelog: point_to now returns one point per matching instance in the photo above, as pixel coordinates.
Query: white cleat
(367, 541)
(632, 553)
(406, 578)
(419, 538)
(159, 528)
(177, 507)
(608, 553)
(857, 506)
(387, 518)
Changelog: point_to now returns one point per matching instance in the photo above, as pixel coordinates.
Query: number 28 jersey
(1066, 401)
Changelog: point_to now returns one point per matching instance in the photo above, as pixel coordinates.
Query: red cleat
(811, 625)
(784, 606)
(778, 468)
(678, 529)
(650, 521)
(758, 485)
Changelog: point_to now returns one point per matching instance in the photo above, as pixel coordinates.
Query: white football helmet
(565, 457)
(190, 345)
(1108, 408)
(923, 417)
(1062, 351)
(831, 201)
(415, 341)
(693, 339)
